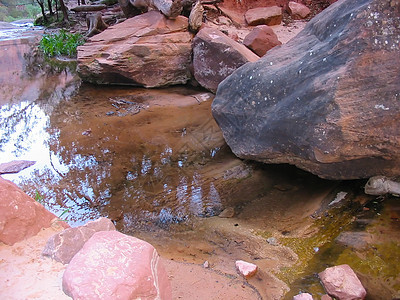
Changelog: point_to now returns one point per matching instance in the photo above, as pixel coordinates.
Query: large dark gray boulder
(328, 101)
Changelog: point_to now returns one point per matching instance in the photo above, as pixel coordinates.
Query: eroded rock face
(147, 50)
(112, 265)
(64, 245)
(216, 56)
(328, 101)
(261, 39)
(20, 216)
(342, 283)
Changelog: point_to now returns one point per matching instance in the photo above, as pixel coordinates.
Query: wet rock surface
(20, 215)
(63, 246)
(147, 50)
(326, 101)
(216, 56)
(114, 265)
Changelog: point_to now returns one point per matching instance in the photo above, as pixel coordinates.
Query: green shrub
(62, 43)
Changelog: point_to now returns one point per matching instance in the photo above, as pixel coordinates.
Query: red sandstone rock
(246, 269)
(328, 101)
(303, 296)
(15, 166)
(264, 16)
(298, 11)
(147, 50)
(261, 39)
(64, 245)
(216, 56)
(342, 283)
(20, 216)
(112, 265)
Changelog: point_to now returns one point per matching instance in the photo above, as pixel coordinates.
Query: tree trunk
(64, 11)
(41, 4)
(49, 4)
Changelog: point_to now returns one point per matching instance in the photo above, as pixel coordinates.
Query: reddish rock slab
(20, 215)
(216, 56)
(147, 50)
(303, 296)
(328, 101)
(261, 39)
(63, 246)
(264, 16)
(298, 11)
(246, 269)
(112, 265)
(15, 166)
(342, 283)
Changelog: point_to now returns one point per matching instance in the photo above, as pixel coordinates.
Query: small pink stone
(303, 296)
(246, 269)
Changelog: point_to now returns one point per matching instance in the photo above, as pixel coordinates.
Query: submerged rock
(112, 265)
(147, 50)
(342, 283)
(328, 101)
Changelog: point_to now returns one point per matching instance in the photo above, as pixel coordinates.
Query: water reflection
(139, 167)
(137, 156)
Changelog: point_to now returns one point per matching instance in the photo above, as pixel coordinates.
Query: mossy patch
(327, 229)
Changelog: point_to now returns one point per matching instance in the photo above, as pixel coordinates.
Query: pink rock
(64, 245)
(15, 166)
(112, 265)
(246, 269)
(298, 11)
(216, 56)
(326, 297)
(342, 283)
(261, 39)
(20, 215)
(303, 296)
(264, 16)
